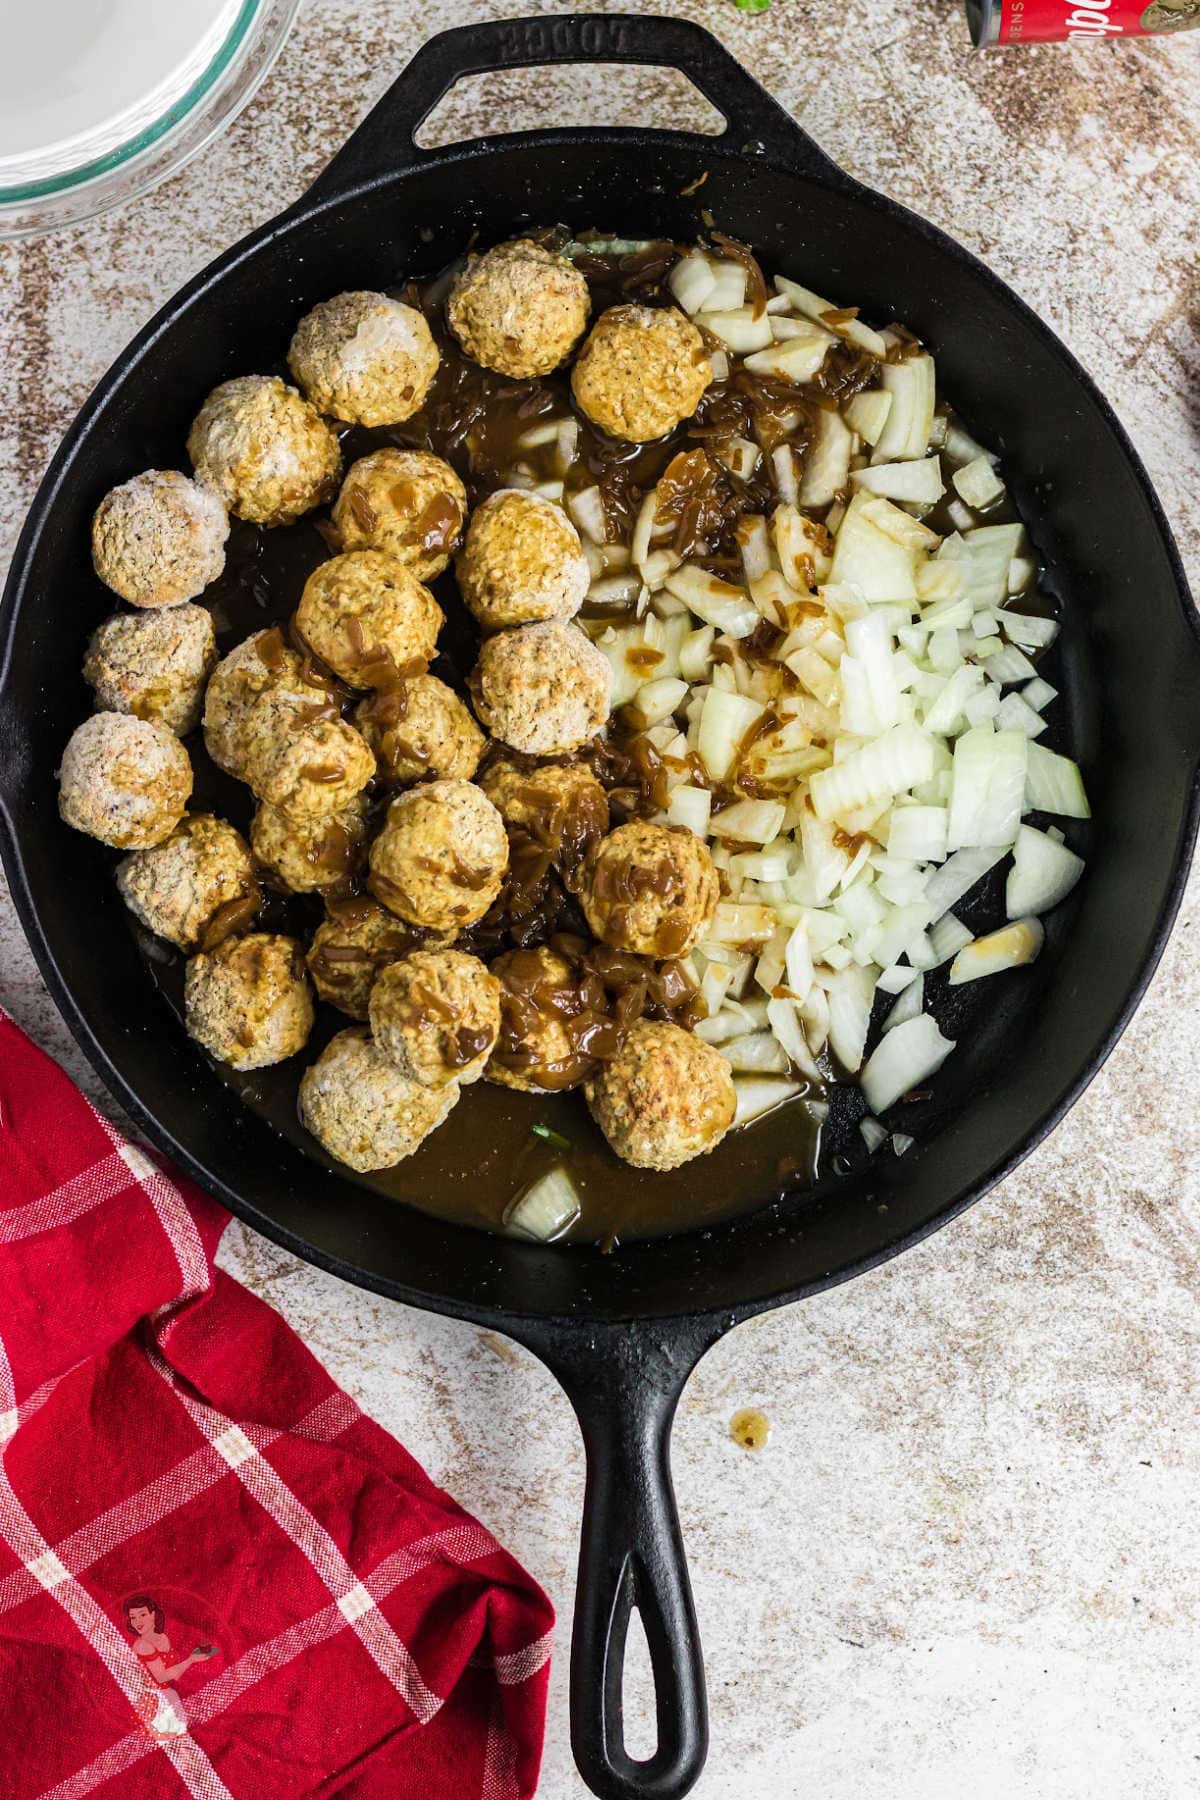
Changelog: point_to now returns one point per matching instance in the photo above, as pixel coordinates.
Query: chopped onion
(735, 922)
(1031, 632)
(783, 467)
(827, 463)
(757, 1098)
(797, 357)
(546, 1208)
(813, 307)
(851, 992)
(656, 700)
(692, 281)
(690, 807)
(724, 722)
(912, 387)
(1043, 873)
(741, 457)
(1014, 715)
(784, 1019)
(902, 1060)
(868, 559)
(918, 833)
(739, 330)
(759, 1053)
(915, 483)
(567, 445)
(957, 877)
(1038, 694)
(867, 413)
(890, 765)
(1053, 784)
(873, 1133)
(902, 1142)
(948, 935)
(753, 821)
(988, 796)
(729, 287)
(909, 1005)
(1009, 948)
(977, 483)
(586, 508)
(1009, 665)
(715, 601)
(695, 653)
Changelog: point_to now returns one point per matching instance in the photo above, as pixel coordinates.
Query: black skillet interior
(1127, 670)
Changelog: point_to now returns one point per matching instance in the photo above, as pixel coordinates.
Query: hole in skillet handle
(383, 143)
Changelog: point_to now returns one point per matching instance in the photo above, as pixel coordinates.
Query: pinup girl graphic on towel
(158, 1708)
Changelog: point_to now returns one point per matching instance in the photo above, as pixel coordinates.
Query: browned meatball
(363, 1110)
(125, 781)
(560, 807)
(519, 308)
(521, 561)
(159, 538)
(264, 449)
(407, 502)
(356, 941)
(651, 889)
(153, 664)
(313, 770)
(311, 855)
(255, 696)
(367, 616)
(440, 859)
(664, 1098)
(542, 689)
(642, 370)
(248, 1003)
(554, 1022)
(421, 728)
(436, 1014)
(198, 880)
(364, 358)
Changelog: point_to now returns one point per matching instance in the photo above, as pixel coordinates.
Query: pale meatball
(407, 502)
(664, 1098)
(650, 889)
(311, 855)
(521, 561)
(249, 1003)
(360, 1107)
(519, 308)
(436, 1015)
(266, 451)
(368, 617)
(125, 781)
(313, 770)
(421, 728)
(356, 941)
(159, 538)
(542, 689)
(256, 693)
(560, 806)
(364, 358)
(642, 370)
(440, 859)
(153, 665)
(194, 888)
(553, 1021)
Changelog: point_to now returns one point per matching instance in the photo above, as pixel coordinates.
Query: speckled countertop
(967, 1557)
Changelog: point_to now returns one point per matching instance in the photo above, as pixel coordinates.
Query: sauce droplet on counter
(750, 1428)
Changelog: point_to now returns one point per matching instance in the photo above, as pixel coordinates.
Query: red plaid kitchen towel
(217, 1577)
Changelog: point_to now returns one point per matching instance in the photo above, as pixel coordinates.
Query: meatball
(436, 1015)
(642, 370)
(408, 502)
(159, 539)
(519, 308)
(363, 1110)
(421, 728)
(542, 689)
(651, 889)
(313, 770)
(255, 695)
(248, 1003)
(664, 1098)
(367, 616)
(553, 1019)
(358, 939)
(364, 358)
(266, 451)
(310, 855)
(197, 882)
(521, 561)
(153, 665)
(560, 806)
(440, 859)
(123, 780)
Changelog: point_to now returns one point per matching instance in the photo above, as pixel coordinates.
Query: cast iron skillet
(623, 1332)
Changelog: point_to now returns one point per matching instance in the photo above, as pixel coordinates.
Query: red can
(1045, 21)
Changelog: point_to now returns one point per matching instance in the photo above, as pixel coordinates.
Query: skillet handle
(756, 123)
(624, 1382)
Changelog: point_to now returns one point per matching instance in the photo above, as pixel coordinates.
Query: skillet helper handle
(384, 142)
(624, 1382)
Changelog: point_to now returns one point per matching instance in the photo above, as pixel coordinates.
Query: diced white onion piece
(783, 467)
(851, 991)
(956, 878)
(798, 962)
(715, 601)
(988, 796)
(868, 559)
(977, 483)
(1039, 694)
(615, 590)
(795, 358)
(643, 530)
(912, 387)
(739, 330)
(870, 645)
(802, 548)
(1009, 665)
(759, 1053)
(657, 566)
(764, 866)
(890, 765)
(827, 463)
(961, 446)
(690, 807)
(729, 287)
(1031, 632)
(960, 515)
(1043, 873)
(1014, 715)
(1022, 573)
(544, 432)
(873, 1133)
(724, 722)
(867, 413)
(723, 1025)
(898, 524)
(918, 833)
(938, 582)
(692, 281)
(948, 936)
(755, 544)
(986, 552)
(946, 713)
(718, 362)
(843, 600)
(916, 483)
(813, 307)
(655, 701)
(752, 821)
(736, 923)
(784, 1019)
(567, 445)
(1009, 948)
(902, 1142)
(548, 490)
(909, 1005)
(757, 1098)
(1053, 784)
(714, 985)
(546, 1208)
(985, 705)
(897, 980)
(586, 508)
(741, 457)
(902, 1060)
(695, 653)
(824, 861)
